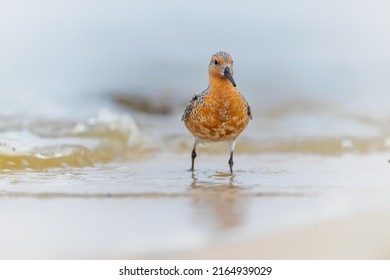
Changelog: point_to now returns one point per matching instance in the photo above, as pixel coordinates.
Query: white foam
(56, 139)
(107, 121)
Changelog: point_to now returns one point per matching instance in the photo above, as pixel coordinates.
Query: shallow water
(145, 209)
(85, 177)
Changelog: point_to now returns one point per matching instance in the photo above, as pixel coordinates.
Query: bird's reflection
(217, 201)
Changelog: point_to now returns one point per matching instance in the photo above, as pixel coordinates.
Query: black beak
(227, 74)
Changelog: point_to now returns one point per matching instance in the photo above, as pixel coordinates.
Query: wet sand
(359, 237)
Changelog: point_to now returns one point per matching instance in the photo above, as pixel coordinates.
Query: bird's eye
(216, 62)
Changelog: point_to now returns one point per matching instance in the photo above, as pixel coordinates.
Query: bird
(220, 112)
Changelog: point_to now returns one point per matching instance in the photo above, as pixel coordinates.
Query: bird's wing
(249, 111)
(248, 108)
(188, 110)
(196, 98)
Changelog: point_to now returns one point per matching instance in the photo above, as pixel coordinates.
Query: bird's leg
(231, 148)
(193, 154)
(231, 162)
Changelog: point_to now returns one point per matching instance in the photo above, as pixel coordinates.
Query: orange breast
(221, 116)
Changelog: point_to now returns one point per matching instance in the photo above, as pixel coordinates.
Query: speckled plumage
(220, 112)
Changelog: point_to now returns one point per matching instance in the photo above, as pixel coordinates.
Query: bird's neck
(221, 85)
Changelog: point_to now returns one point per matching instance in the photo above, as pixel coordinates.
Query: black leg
(231, 162)
(193, 156)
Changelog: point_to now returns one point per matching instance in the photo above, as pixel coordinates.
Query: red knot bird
(220, 112)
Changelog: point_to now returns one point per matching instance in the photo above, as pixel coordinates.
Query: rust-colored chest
(219, 115)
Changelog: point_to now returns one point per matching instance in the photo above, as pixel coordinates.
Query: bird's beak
(227, 74)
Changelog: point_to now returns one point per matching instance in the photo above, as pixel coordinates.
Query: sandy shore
(362, 236)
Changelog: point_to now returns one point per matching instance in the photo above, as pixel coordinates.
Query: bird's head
(221, 67)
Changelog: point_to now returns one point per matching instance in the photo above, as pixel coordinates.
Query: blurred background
(91, 96)
(68, 52)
